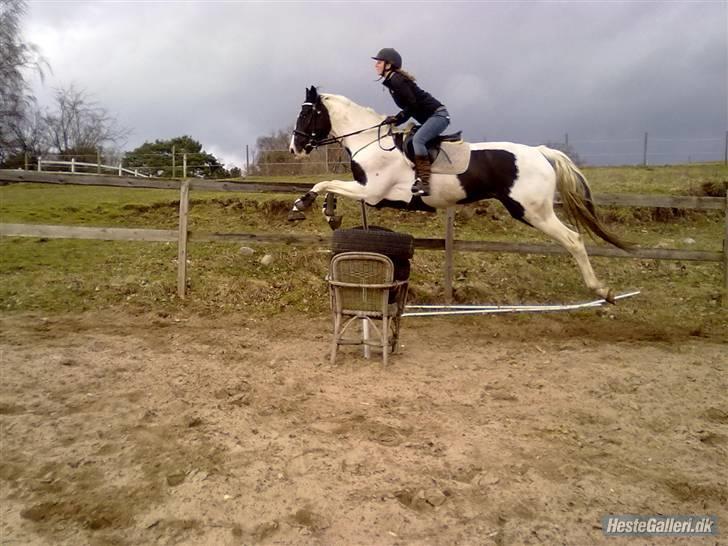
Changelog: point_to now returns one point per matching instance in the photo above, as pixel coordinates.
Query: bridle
(315, 142)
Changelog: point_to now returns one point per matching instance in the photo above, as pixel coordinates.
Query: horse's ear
(308, 94)
(314, 93)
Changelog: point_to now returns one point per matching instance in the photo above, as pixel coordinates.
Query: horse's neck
(349, 117)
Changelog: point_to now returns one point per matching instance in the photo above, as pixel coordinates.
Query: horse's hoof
(296, 216)
(335, 222)
(610, 297)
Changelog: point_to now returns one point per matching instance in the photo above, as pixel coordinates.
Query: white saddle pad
(454, 158)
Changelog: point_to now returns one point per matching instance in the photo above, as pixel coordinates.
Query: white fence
(73, 164)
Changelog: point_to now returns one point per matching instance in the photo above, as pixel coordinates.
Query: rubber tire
(399, 246)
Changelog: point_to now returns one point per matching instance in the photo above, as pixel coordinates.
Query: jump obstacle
(445, 310)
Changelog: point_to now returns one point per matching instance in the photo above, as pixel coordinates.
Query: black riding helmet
(390, 56)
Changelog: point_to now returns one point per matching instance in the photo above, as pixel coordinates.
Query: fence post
(120, 167)
(247, 159)
(40, 161)
(184, 166)
(644, 152)
(73, 164)
(449, 243)
(363, 210)
(98, 160)
(26, 161)
(174, 165)
(725, 251)
(184, 195)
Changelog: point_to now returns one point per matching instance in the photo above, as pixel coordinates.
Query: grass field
(50, 276)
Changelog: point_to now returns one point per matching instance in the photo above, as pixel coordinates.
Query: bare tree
(78, 125)
(271, 157)
(276, 141)
(15, 55)
(28, 140)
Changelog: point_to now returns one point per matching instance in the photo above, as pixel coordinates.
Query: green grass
(71, 275)
(669, 179)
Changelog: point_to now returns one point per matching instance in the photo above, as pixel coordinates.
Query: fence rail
(98, 166)
(449, 244)
(73, 163)
(170, 235)
(82, 179)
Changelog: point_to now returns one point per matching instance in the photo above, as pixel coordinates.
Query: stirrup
(420, 188)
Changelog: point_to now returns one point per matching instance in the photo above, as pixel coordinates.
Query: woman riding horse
(523, 178)
(415, 103)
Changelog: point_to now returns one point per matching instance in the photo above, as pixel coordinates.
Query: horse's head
(312, 126)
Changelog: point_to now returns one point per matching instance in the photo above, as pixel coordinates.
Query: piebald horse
(523, 178)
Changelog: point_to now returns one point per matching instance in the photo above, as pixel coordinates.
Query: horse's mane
(347, 102)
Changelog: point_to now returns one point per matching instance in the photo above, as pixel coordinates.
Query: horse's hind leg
(550, 224)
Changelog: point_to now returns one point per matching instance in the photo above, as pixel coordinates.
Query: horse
(523, 178)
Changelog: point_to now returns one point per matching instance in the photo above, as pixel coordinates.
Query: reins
(378, 140)
(315, 143)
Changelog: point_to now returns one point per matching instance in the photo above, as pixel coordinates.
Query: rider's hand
(390, 120)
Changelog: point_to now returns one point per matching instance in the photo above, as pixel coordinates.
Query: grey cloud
(227, 73)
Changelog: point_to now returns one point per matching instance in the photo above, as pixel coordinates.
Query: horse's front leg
(329, 211)
(346, 188)
(301, 204)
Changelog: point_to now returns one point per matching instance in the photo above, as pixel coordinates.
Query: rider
(415, 103)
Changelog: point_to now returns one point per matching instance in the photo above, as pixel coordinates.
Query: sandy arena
(122, 429)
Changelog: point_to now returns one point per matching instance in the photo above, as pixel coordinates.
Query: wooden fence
(182, 235)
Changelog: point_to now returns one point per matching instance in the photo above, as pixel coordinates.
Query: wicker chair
(362, 286)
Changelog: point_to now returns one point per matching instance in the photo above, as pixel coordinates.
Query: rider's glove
(391, 120)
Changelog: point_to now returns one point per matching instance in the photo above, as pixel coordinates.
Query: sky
(227, 72)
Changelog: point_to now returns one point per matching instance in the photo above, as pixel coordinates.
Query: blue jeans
(433, 127)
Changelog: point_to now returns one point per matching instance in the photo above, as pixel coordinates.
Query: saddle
(449, 154)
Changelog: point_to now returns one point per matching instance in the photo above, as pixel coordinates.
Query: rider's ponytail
(405, 74)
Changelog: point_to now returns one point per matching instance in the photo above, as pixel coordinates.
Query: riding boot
(421, 186)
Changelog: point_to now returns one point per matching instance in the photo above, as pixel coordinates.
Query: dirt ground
(143, 429)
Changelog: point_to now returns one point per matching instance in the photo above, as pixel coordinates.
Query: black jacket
(414, 102)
